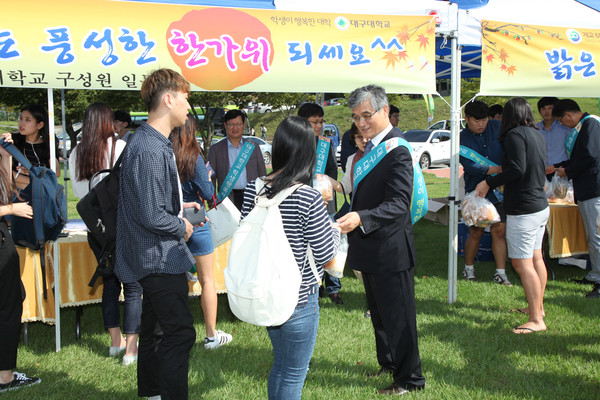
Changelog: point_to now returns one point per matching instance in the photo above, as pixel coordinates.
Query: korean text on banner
(102, 46)
(539, 60)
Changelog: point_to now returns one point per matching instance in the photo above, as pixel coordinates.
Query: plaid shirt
(149, 232)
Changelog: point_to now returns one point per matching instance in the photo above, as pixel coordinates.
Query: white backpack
(262, 276)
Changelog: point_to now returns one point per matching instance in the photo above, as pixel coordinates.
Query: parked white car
(429, 146)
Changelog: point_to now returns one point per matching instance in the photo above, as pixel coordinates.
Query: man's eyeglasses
(365, 117)
(234, 125)
(322, 122)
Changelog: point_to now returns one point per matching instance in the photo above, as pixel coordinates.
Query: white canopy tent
(462, 27)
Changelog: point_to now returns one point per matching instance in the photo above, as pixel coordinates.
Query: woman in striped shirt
(305, 223)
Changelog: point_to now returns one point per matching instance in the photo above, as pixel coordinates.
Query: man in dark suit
(381, 242)
(222, 155)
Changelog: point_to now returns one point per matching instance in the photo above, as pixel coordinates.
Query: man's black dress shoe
(595, 293)
(582, 281)
(381, 371)
(336, 299)
(399, 390)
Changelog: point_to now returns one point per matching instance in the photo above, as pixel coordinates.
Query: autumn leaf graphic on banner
(405, 40)
(391, 58)
(493, 35)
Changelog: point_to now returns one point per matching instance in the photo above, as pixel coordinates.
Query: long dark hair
(186, 148)
(91, 151)
(41, 115)
(517, 112)
(294, 154)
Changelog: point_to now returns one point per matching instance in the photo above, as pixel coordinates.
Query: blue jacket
(486, 144)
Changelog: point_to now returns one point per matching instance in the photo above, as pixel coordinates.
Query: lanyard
(418, 203)
(236, 169)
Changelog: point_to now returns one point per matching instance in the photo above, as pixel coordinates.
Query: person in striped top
(305, 222)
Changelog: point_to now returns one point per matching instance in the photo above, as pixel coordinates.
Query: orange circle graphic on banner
(220, 48)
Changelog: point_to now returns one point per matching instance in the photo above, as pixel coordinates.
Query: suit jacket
(219, 161)
(382, 200)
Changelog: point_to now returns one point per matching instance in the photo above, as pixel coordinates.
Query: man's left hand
(482, 189)
(349, 222)
(560, 171)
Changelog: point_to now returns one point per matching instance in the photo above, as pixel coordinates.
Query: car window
(438, 125)
(444, 136)
(416, 135)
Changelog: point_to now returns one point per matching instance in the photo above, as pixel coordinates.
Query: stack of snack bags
(478, 211)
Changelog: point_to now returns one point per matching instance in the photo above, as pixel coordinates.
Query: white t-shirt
(81, 188)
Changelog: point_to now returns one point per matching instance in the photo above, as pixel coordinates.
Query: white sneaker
(115, 351)
(221, 338)
(502, 280)
(469, 274)
(128, 360)
(191, 277)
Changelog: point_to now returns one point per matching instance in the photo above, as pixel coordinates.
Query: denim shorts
(524, 233)
(200, 243)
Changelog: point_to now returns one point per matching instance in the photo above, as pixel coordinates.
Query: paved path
(443, 172)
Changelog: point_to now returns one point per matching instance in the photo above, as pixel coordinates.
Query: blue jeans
(132, 309)
(293, 345)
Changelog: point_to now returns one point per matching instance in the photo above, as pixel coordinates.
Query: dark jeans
(166, 338)
(132, 309)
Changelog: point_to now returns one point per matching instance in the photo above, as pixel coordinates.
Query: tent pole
(64, 139)
(55, 250)
(454, 164)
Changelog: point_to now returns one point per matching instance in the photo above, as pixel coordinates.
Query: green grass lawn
(468, 350)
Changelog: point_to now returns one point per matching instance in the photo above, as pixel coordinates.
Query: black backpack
(98, 210)
(49, 203)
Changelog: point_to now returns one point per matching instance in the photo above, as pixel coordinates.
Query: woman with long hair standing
(12, 292)
(197, 187)
(523, 176)
(99, 149)
(305, 222)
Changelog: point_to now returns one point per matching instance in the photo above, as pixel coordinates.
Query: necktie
(368, 147)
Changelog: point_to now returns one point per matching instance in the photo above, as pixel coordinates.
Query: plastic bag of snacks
(560, 186)
(323, 185)
(335, 267)
(478, 211)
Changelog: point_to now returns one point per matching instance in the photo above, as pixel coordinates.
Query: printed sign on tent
(106, 44)
(539, 60)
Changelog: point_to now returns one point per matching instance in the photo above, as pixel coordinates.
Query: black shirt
(523, 171)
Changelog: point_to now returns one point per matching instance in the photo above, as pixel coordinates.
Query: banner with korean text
(103, 44)
(539, 60)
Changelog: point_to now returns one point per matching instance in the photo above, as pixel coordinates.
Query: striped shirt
(305, 222)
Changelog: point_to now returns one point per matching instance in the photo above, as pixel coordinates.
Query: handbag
(223, 220)
(345, 208)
